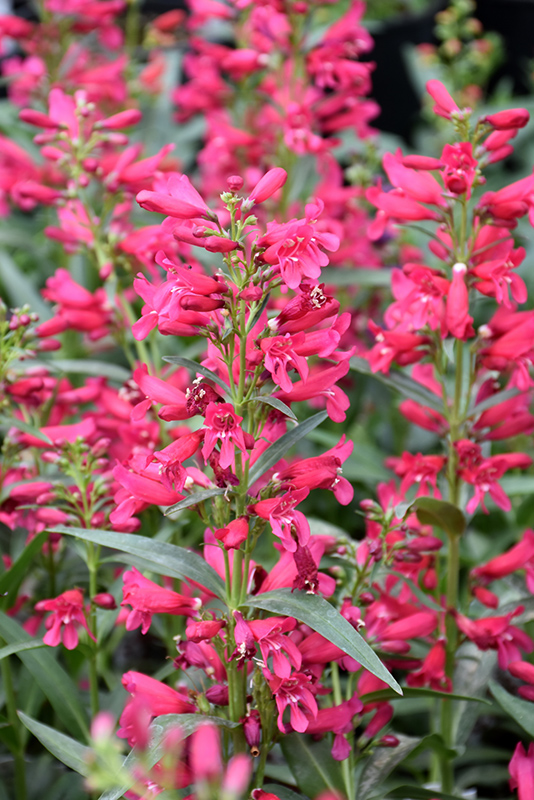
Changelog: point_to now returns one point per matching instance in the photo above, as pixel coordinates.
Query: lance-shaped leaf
(194, 499)
(364, 277)
(492, 401)
(312, 766)
(195, 367)
(87, 366)
(164, 559)
(13, 422)
(50, 677)
(400, 383)
(419, 793)
(383, 761)
(283, 792)
(322, 617)
(418, 691)
(274, 402)
(70, 752)
(19, 647)
(445, 515)
(278, 449)
(519, 710)
(10, 580)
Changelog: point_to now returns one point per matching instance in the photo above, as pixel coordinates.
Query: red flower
(69, 615)
(147, 598)
(521, 769)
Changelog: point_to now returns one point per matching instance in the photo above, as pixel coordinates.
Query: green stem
(18, 750)
(92, 564)
(346, 770)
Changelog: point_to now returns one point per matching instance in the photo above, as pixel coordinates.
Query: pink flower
(457, 318)
(511, 118)
(281, 354)
(223, 424)
(178, 199)
(294, 692)
(287, 523)
(273, 180)
(445, 105)
(147, 598)
(68, 615)
(521, 769)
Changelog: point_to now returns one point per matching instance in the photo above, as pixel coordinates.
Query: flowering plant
(164, 473)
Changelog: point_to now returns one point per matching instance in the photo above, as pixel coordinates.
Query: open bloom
(68, 615)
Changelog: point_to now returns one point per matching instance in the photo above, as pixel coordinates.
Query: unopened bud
(234, 183)
(105, 600)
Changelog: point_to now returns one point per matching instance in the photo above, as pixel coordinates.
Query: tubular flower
(147, 598)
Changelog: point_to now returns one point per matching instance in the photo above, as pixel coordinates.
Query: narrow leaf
(165, 559)
(401, 383)
(194, 499)
(276, 403)
(322, 617)
(445, 515)
(382, 762)
(20, 288)
(257, 314)
(10, 580)
(492, 401)
(372, 278)
(195, 367)
(55, 683)
(418, 793)
(86, 366)
(418, 691)
(283, 792)
(13, 422)
(12, 649)
(67, 750)
(312, 766)
(519, 710)
(278, 449)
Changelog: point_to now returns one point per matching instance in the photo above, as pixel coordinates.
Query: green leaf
(418, 793)
(519, 710)
(10, 580)
(421, 595)
(13, 422)
(445, 515)
(12, 649)
(67, 750)
(257, 314)
(55, 683)
(195, 367)
(194, 499)
(165, 559)
(312, 766)
(514, 485)
(188, 723)
(317, 612)
(365, 278)
(282, 792)
(86, 366)
(415, 691)
(382, 762)
(276, 403)
(278, 449)
(492, 401)
(20, 288)
(400, 383)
